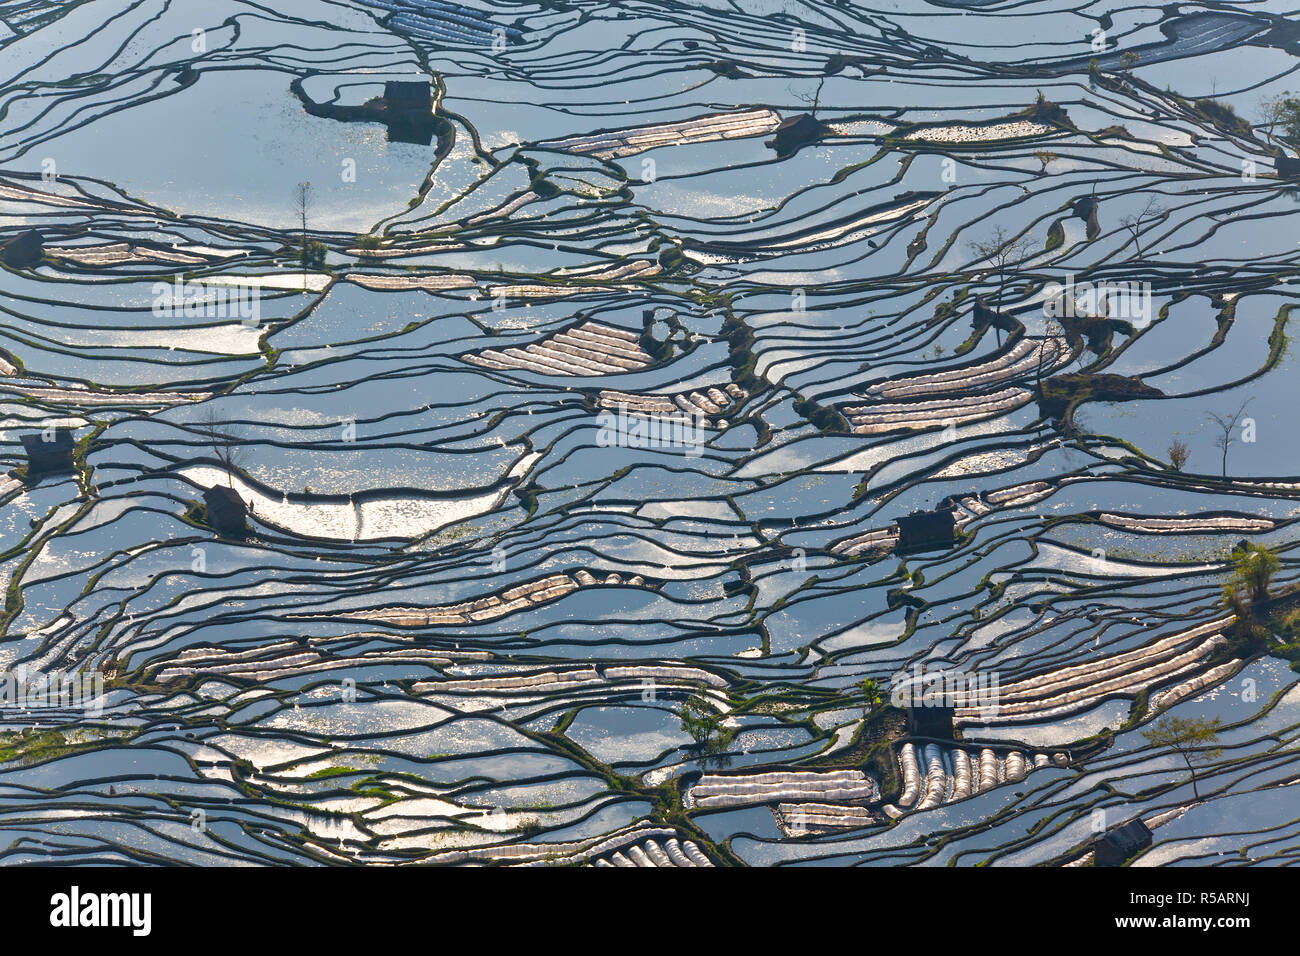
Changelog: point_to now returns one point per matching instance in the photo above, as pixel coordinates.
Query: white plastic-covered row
(962, 778)
(701, 129)
(1184, 524)
(1015, 767)
(877, 539)
(551, 681)
(1072, 688)
(1184, 690)
(990, 770)
(1022, 359)
(911, 775)
(585, 350)
(651, 855)
(795, 818)
(1019, 494)
(872, 419)
(492, 606)
(787, 786)
(936, 779)
(542, 854)
(954, 773)
(688, 406)
(664, 672)
(1069, 701)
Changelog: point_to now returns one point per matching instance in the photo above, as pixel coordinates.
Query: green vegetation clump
(1253, 569)
(1060, 395)
(671, 257)
(824, 419)
(1259, 614)
(1223, 116)
(1288, 626)
(702, 722)
(326, 772)
(312, 255)
(1045, 111)
(740, 354)
(31, 747)
(1284, 111)
(1055, 236)
(544, 188)
(1194, 739)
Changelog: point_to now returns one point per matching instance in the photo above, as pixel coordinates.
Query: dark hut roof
(1287, 167)
(223, 497)
(36, 443)
(226, 510)
(927, 523)
(49, 456)
(982, 314)
(1120, 843)
(1084, 207)
(804, 121)
(795, 132)
(923, 530)
(929, 721)
(408, 92)
(24, 250)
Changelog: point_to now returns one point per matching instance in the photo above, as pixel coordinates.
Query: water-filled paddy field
(556, 432)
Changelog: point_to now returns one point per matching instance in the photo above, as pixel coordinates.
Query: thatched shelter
(926, 721)
(927, 530)
(796, 132)
(24, 251)
(408, 111)
(227, 512)
(49, 454)
(1119, 844)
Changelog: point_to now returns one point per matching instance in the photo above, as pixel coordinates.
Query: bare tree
(1001, 252)
(1195, 739)
(1226, 424)
(313, 253)
(1178, 454)
(1053, 334)
(1152, 211)
(811, 100)
(225, 444)
(1272, 112)
(302, 201)
(1283, 110)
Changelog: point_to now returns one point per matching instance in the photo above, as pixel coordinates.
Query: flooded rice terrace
(649, 434)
